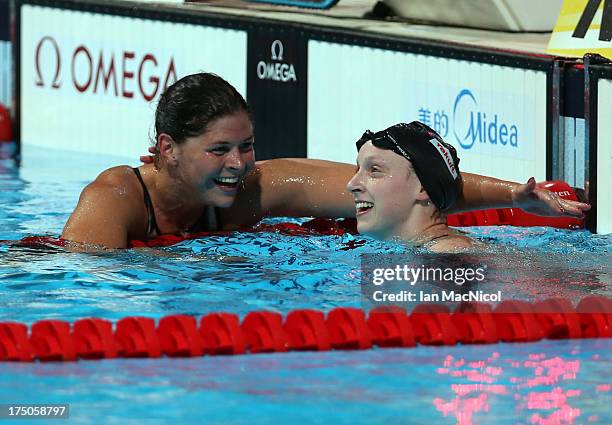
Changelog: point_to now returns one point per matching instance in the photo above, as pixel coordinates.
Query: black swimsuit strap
(439, 237)
(152, 229)
(431, 241)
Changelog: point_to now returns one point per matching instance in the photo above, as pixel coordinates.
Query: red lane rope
(305, 330)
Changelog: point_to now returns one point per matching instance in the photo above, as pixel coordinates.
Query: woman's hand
(148, 159)
(543, 202)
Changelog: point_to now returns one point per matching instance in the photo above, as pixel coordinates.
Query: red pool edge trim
(343, 328)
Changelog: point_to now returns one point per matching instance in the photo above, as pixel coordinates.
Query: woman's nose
(234, 160)
(355, 184)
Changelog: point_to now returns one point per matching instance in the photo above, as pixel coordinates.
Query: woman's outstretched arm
(306, 187)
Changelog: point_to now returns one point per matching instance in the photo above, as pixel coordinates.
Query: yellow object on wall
(584, 26)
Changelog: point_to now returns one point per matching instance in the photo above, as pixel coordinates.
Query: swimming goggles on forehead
(384, 140)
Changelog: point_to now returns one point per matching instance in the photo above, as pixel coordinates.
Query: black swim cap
(435, 162)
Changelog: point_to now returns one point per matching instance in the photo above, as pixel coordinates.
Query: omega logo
(277, 70)
(112, 73)
(58, 62)
(276, 46)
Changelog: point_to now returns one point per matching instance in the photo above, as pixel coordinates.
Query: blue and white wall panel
(604, 156)
(89, 82)
(495, 116)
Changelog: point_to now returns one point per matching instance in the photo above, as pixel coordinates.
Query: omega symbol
(277, 50)
(40, 80)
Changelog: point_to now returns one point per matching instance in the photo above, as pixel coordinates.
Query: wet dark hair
(190, 105)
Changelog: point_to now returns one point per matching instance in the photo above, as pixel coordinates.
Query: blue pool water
(550, 382)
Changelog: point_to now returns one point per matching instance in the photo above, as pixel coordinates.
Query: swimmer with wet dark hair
(406, 178)
(204, 178)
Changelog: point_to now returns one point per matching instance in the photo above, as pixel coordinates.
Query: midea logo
(492, 130)
(277, 71)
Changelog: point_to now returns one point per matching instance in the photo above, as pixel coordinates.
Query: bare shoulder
(116, 187)
(455, 243)
(115, 183)
(107, 211)
(119, 177)
(249, 207)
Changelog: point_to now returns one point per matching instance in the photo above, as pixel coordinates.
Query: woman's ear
(423, 196)
(165, 147)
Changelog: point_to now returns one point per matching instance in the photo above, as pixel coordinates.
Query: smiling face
(214, 164)
(385, 189)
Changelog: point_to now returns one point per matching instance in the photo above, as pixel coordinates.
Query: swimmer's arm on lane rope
(480, 192)
(102, 217)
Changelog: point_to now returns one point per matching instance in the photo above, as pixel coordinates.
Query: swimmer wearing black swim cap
(407, 178)
(435, 162)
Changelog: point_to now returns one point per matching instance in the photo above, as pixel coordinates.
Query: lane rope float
(343, 328)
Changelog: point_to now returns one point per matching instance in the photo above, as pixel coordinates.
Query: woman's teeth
(363, 204)
(227, 181)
